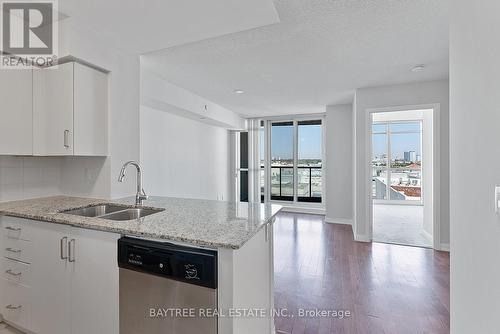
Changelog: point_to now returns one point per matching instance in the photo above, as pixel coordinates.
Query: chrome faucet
(140, 195)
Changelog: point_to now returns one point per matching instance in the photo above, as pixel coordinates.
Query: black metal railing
(283, 190)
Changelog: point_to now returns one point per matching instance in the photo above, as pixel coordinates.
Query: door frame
(436, 165)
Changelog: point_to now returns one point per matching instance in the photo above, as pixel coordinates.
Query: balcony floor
(399, 224)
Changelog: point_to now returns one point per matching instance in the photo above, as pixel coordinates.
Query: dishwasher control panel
(186, 264)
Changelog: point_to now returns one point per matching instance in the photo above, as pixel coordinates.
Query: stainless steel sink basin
(113, 212)
(95, 211)
(131, 214)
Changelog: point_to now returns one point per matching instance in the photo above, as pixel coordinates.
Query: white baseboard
(312, 211)
(362, 237)
(444, 247)
(344, 221)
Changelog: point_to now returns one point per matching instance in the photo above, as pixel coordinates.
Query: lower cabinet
(94, 290)
(71, 283)
(51, 277)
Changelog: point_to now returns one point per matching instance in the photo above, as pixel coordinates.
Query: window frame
(268, 139)
(388, 168)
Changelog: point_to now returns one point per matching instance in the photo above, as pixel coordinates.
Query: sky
(400, 143)
(310, 142)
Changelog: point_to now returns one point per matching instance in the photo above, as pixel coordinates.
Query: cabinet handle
(64, 248)
(11, 273)
(12, 250)
(71, 256)
(66, 138)
(10, 228)
(11, 307)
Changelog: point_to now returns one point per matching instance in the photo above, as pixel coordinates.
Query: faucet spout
(140, 196)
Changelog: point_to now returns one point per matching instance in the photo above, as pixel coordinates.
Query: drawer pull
(11, 307)
(12, 250)
(11, 273)
(71, 252)
(66, 138)
(10, 228)
(64, 248)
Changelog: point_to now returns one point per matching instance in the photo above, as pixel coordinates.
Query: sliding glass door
(396, 161)
(296, 161)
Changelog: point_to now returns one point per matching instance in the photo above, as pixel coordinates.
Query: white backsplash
(29, 177)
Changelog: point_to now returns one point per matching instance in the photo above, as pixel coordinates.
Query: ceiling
(319, 53)
(144, 26)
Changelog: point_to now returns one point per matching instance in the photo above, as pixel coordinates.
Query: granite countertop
(207, 223)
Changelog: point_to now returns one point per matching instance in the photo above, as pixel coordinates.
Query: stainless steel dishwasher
(160, 280)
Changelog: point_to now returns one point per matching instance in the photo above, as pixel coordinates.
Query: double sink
(113, 212)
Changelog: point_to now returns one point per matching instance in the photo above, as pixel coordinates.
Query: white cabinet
(16, 113)
(50, 291)
(94, 283)
(15, 272)
(90, 111)
(53, 110)
(72, 276)
(70, 111)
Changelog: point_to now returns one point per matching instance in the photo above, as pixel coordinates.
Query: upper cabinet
(53, 111)
(90, 111)
(16, 113)
(70, 111)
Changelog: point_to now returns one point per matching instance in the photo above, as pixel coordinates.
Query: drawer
(17, 249)
(16, 228)
(15, 304)
(16, 272)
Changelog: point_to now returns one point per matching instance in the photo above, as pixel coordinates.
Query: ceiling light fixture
(418, 68)
(239, 91)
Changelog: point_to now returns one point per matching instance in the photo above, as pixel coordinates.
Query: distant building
(410, 156)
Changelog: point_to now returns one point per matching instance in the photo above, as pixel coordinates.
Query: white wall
(338, 162)
(475, 161)
(434, 92)
(183, 157)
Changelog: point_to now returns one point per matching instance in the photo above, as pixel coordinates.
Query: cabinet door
(94, 282)
(50, 290)
(16, 127)
(90, 111)
(53, 110)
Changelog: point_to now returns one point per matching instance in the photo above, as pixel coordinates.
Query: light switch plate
(497, 199)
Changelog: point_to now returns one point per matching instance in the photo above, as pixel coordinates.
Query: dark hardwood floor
(387, 288)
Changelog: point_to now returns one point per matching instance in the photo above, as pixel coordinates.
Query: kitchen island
(40, 271)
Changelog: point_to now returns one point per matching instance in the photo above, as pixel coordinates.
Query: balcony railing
(309, 187)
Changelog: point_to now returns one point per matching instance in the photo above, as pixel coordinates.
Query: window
(282, 161)
(296, 161)
(243, 166)
(309, 180)
(396, 161)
